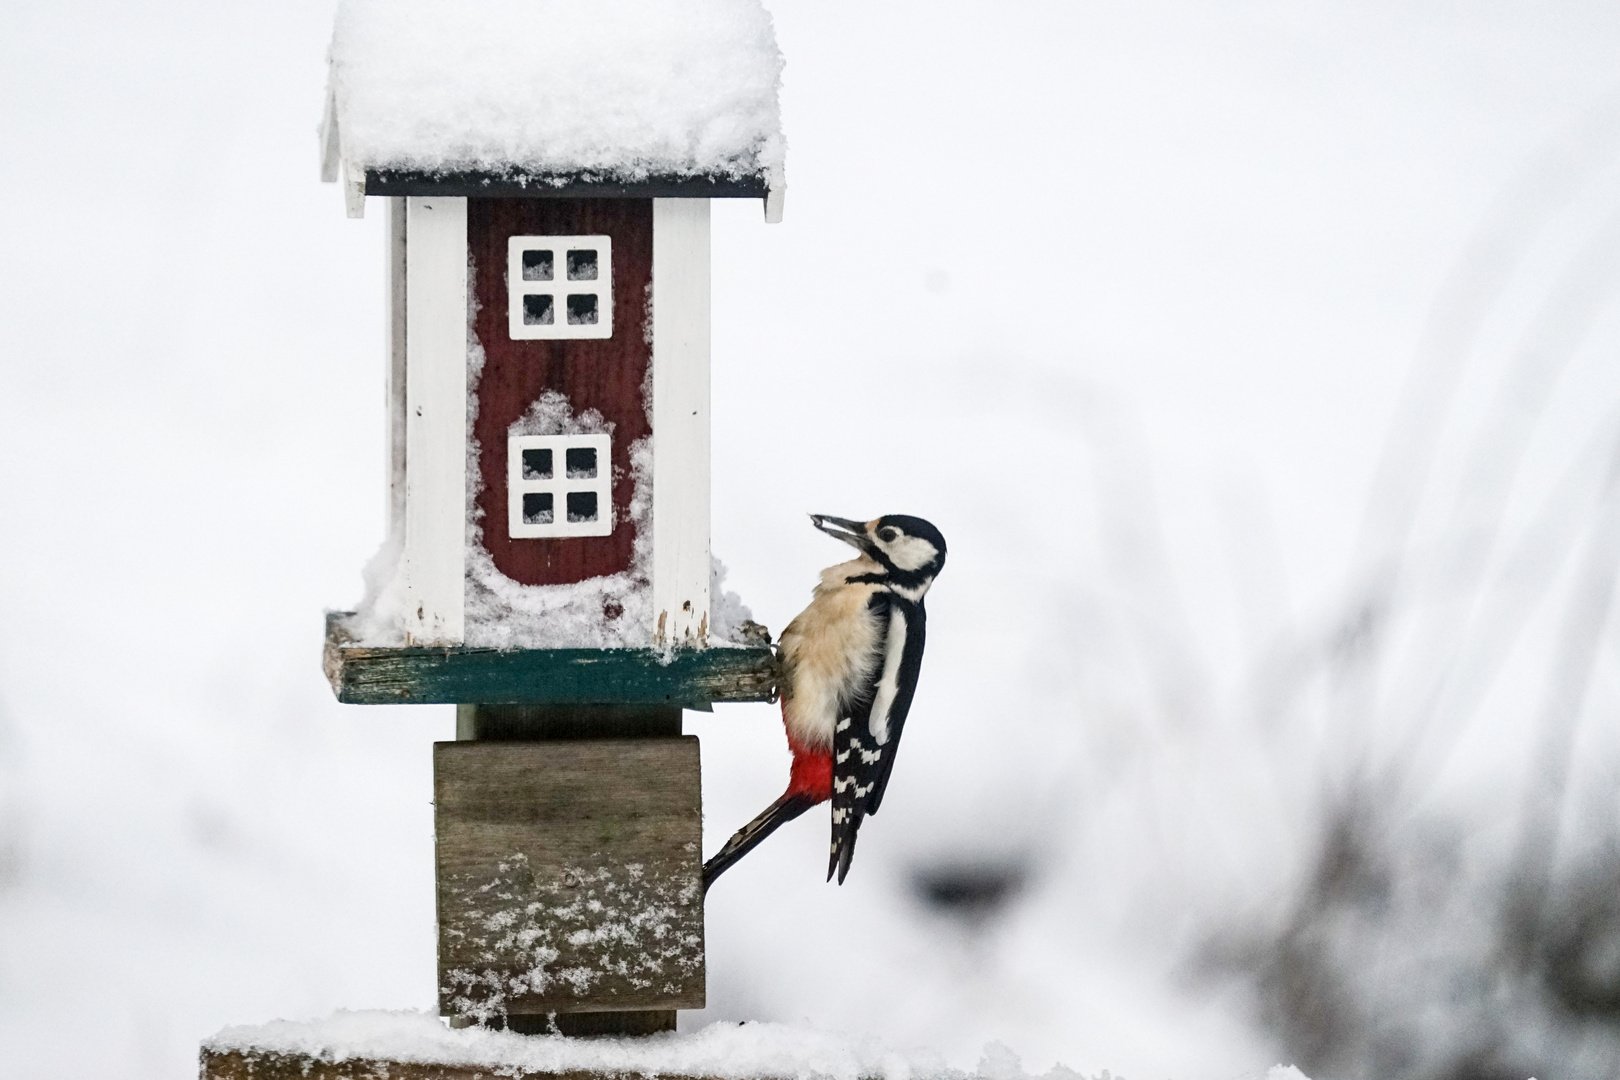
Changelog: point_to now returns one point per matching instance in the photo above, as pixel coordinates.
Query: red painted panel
(605, 375)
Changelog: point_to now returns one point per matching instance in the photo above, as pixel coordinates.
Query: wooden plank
(428, 676)
(562, 186)
(605, 374)
(353, 183)
(270, 1065)
(425, 675)
(434, 557)
(513, 723)
(570, 876)
(395, 375)
(680, 284)
(331, 148)
(775, 196)
(585, 1024)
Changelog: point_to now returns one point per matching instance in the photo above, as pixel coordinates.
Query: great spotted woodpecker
(849, 664)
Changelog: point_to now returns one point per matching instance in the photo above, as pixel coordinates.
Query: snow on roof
(612, 89)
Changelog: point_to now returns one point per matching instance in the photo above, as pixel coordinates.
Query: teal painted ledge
(365, 675)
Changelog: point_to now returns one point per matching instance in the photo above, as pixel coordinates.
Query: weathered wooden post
(548, 567)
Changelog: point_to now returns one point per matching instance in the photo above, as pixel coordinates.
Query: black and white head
(910, 550)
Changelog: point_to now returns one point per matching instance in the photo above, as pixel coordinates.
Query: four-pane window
(559, 485)
(559, 287)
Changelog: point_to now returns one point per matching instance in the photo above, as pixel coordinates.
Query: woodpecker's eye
(888, 533)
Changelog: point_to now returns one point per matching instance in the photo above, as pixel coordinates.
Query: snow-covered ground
(747, 1050)
(743, 1051)
(1144, 304)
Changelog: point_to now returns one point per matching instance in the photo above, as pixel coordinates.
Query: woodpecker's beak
(852, 533)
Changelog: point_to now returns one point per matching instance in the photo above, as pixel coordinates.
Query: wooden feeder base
(367, 675)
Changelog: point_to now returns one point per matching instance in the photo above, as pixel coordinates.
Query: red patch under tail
(812, 771)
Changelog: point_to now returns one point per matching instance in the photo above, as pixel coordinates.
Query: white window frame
(559, 485)
(559, 288)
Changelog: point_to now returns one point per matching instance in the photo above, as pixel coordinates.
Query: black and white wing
(865, 740)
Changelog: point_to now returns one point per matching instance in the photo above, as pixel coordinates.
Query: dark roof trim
(488, 185)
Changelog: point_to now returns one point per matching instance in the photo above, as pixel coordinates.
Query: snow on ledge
(726, 1051)
(616, 89)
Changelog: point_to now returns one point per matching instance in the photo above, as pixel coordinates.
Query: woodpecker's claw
(850, 532)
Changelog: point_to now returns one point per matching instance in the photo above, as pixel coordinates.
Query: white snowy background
(1180, 320)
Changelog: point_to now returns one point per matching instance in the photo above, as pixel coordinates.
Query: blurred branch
(1564, 320)
(1588, 612)
(1466, 298)
(1480, 651)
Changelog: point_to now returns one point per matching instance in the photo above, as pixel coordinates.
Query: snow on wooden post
(358, 1045)
(549, 171)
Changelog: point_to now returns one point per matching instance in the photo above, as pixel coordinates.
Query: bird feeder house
(547, 171)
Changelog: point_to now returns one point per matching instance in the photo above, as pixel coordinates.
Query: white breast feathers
(830, 653)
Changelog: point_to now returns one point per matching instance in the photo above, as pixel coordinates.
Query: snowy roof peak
(609, 91)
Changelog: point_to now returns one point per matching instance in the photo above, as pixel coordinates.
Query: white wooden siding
(354, 188)
(331, 148)
(435, 418)
(775, 195)
(395, 375)
(680, 287)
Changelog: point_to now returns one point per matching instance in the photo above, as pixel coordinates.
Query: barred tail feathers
(855, 753)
